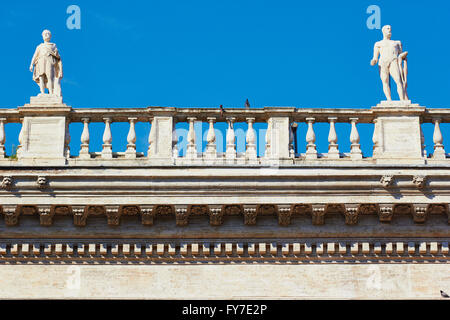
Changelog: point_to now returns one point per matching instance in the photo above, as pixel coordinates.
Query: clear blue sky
(209, 52)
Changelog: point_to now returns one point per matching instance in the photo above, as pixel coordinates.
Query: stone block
(228, 248)
(194, 248)
(319, 248)
(206, 249)
(160, 249)
(240, 248)
(262, 248)
(251, 249)
(296, 248)
(171, 249)
(330, 248)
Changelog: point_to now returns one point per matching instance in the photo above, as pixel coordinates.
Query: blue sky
(207, 52)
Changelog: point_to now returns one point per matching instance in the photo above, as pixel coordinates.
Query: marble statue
(47, 66)
(392, 63)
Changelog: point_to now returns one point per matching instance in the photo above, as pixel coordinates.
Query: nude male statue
(47, 66)
(390, 63)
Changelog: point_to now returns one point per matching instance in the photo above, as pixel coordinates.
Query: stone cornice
(218, 214)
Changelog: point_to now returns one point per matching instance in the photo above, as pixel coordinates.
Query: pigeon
(221, 110)
(247, 104)
(443, 294)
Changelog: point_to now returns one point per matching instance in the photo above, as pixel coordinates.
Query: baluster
(231, 139)
(107, 140)
(21, 135)
(292, 139)
(311, 152)
(422, 142)
(268, 151)
(333, 151)
(84, 150)
(131, 140)
(152, 138)
(251, 141)
(211, 140)
(174, 141)
(67, 141)
(2, 137)
(355, 148)
(375, 138)
(191, 151)
(438, 139)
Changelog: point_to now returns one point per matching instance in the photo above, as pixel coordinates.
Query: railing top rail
(144, 114)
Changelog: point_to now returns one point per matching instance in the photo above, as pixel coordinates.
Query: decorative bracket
(318, 214)
(420, 212)
(181, 215)
(7, 182)
(45, 215)
(250, 214)
(284, 215)
(386, 212)
(387, 180)
(11, 215)
(215, 215)
(79, 215)
(351, 214)
(420, 181)
(147, 215)
(113, 215)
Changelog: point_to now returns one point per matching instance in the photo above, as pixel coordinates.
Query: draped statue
(47, 66)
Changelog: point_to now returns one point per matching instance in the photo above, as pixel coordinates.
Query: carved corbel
(7, 182)
(113, 215)
(351, 213)
(215, 215)
(318, 214)
(386, 212)
(45, 215)
(250, 214)
(181, 215)
(420, 181)
(387, 180)
(11, 215)
(42, 182)
(420, 212)
(284, 215)
(79, 215)
(147, 215)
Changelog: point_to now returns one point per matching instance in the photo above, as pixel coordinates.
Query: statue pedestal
(160, 149)
(44, 135)
(397, 134)
(45, 99)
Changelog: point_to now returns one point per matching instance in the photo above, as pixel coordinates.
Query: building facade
(224, 225)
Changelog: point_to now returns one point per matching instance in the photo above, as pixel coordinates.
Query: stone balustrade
(397, 135)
